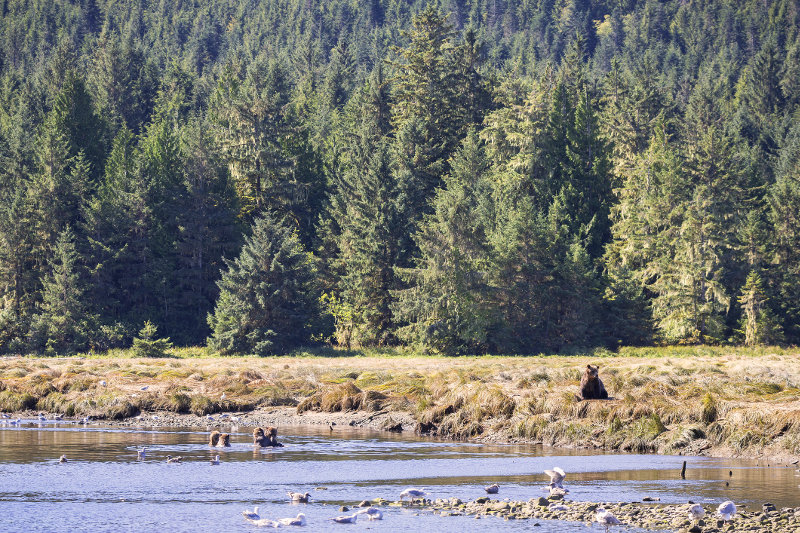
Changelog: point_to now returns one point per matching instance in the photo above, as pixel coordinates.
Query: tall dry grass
(684, 400)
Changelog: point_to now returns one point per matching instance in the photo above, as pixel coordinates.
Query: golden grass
(683, 400)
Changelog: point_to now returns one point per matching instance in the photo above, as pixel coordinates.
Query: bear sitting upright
(591, 386)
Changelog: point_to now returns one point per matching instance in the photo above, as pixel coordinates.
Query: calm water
(104, 486)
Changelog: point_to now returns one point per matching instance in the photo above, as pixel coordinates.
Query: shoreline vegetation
(711, 401)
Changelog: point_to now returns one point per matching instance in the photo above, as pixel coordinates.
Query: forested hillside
(466, 176)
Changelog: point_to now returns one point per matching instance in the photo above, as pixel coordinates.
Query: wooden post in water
(683, 471)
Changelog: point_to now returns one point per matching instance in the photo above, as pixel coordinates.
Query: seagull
(6, 415)
(556, 507)
(62, 459)
(141, 454)
(251, 515)
(42, 417)
(726, 510)
(696, 512)
(171, 459)
(103, 382)
(558, 491)
(209, 418)
(412, 494)
(492, 489)
(58, 417)
(222, 397)
(234, 418)
(346, 519)
(300, 520)
(556, 477)
(215, 461)
(85, 420)
(298, 497)
(264, 522)
(372, 513)
(145, 387)
(15, 422)
(606, 518)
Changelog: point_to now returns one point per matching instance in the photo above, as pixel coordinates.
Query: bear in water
(268, 437)
(591, 386)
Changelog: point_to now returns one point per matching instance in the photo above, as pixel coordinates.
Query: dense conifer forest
(462, 176)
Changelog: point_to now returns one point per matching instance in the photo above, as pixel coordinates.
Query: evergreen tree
(267, 295)
(63, 323)
(448, 304)
(758, 321)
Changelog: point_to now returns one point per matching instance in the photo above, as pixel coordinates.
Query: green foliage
(147, 345)
(268, 294)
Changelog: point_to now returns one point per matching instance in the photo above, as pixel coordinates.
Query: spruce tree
(63, 323)
(268, 295)
(448, 304)
(759, 324)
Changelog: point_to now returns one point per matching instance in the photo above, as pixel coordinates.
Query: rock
(365, 503)
(542, 502)
(695, 529)
(483, 499)
(650, 499)
(768, 507)
(344, 509)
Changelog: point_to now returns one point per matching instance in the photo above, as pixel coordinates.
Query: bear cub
(591, 386)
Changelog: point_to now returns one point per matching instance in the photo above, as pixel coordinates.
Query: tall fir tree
(268, 296)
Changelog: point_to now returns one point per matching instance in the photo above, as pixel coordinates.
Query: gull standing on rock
(726, 510)
(298, 497)
(412, 494)
(606, 518)
(300, 520)
(696, 512)
(372, 513)
(556, 507)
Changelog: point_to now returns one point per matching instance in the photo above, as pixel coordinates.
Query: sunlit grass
(667, 399)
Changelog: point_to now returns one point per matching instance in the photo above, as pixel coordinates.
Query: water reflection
(105, 485)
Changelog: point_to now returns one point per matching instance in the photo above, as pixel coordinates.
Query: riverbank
(720, 403)
(652, 517)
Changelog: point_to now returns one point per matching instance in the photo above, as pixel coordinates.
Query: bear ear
(589, 367)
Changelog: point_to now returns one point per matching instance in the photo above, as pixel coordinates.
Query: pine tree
(267, 295)
(63, 323)
(147, 345)
(759, 323)
(448, 304)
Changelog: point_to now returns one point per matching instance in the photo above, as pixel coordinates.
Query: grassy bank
(691, 400)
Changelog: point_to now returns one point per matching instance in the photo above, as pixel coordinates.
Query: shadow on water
(105, 486)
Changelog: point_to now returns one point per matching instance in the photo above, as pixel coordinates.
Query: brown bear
(224, 440)
(591, 386)
(268, 437)
(213, 438)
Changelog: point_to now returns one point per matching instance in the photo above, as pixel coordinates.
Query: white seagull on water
(251, 515)
(299, 520)
(346, 519)
(215, 461)
(372, 513)
(298, 497)
(141, 454)
(264, 522)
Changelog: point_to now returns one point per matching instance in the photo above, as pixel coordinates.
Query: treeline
(467, 176)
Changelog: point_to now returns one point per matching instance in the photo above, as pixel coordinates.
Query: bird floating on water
(492, 489)
(171, 459)
(606, 518)
(696, 512)
(726, 510)
(264, 522)
(298, 497)
(351, 519)
(299, 520)
(215, 461)
(62, 459)
(412, 494)
(141, 454)
(251, 515)
(372, 513)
